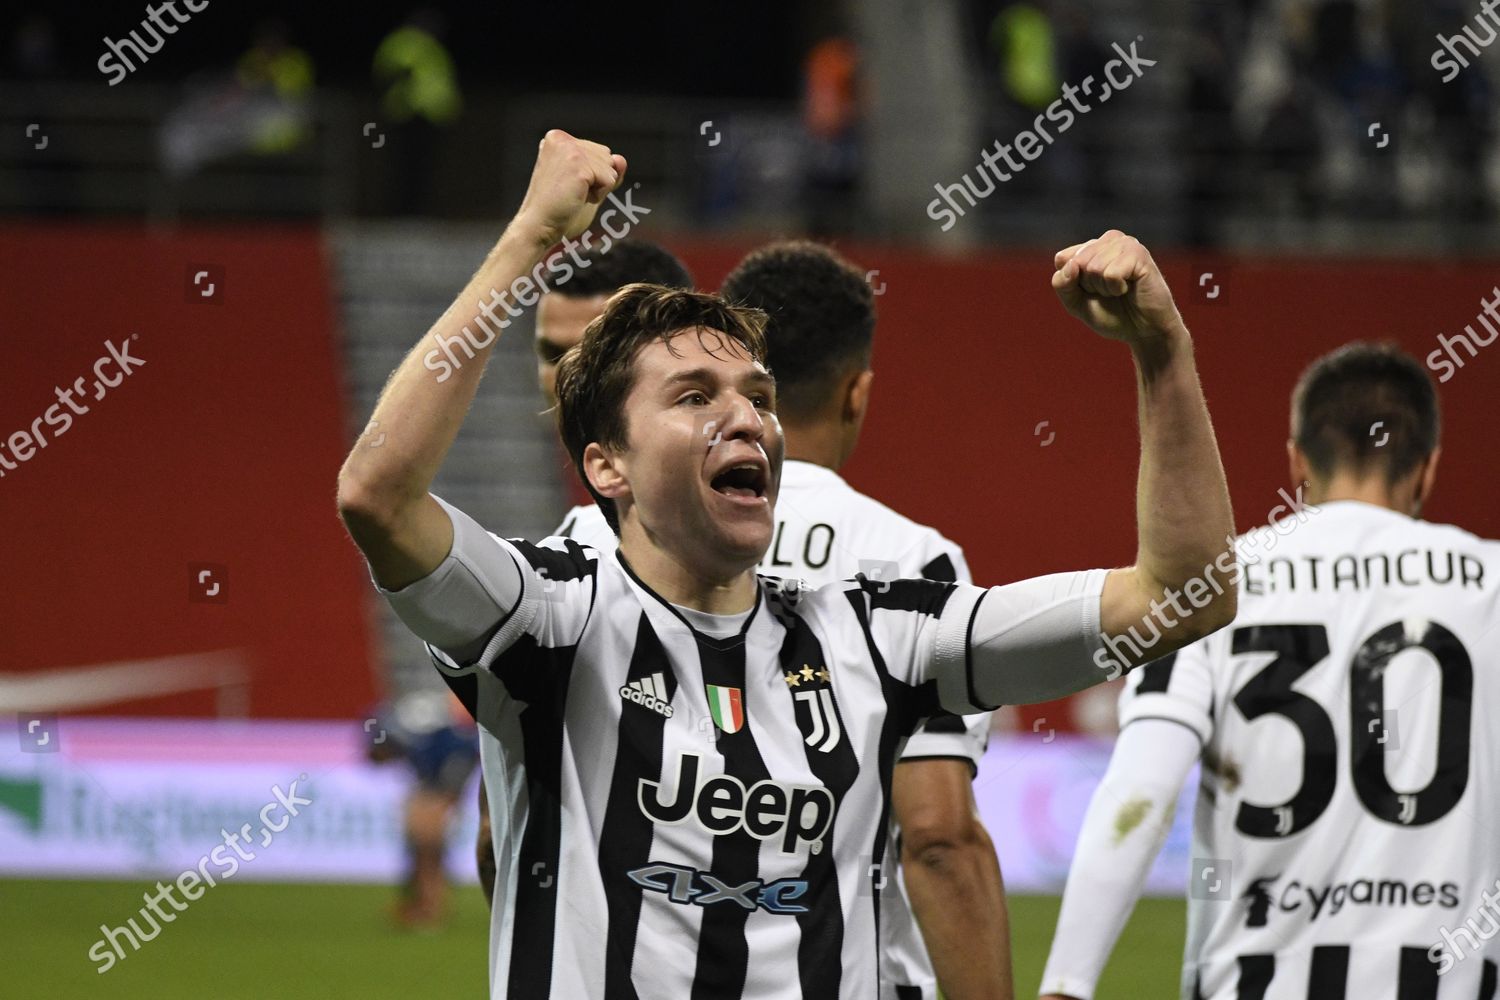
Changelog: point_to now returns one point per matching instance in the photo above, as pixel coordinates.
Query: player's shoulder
(556, 556)
(822, 493)
(586, 524)
(837, 599)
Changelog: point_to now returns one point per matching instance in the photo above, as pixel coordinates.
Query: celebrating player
(819, 333)
(669, 804)
(1348, 816)
(561, 316)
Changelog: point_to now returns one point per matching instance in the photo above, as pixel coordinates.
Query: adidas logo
(648, 692)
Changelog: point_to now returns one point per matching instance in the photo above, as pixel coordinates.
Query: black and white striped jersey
(1348, 833)
(689, 806)
(827, 531)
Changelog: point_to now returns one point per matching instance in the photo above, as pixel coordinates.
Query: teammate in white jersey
(1349, 812)
(713, 837)
(819, 337)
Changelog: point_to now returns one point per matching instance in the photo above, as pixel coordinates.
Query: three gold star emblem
(795, 678)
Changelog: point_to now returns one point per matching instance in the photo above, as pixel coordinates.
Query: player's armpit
(401, 546)
(953, 878)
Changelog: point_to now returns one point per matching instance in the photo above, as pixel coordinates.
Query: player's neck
(1370, 490)
(819, 443)
(676, 582)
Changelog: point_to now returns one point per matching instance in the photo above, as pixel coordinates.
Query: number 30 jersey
(1347, 836)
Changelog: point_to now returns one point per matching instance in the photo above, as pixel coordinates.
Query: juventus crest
(817, 715)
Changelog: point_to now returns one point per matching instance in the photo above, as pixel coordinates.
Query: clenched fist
(571, 177)
(1113, 285)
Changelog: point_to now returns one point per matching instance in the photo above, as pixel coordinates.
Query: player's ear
(1298, 467)
(857, 396)
(1426, 477)
(604, 472)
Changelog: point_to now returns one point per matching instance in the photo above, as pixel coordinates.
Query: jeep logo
(721, 804)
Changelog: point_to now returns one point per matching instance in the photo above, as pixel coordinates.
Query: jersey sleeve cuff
(950, 655)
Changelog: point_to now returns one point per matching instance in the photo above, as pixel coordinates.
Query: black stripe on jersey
(925, 597)
(465, 688)
(1255, 976)
(945, 722)
(537, 676)
(571, 564)
(723, 950)
(625, 838)
(820, 951)
(941, 568)
(1487, 981)
(908, 993)
(1418, 978)
(1156, 675)
(906, 705)
(1329, 976)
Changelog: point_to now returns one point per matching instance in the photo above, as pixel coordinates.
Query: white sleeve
(1128, 819)
(489, 591)
(1025, 642)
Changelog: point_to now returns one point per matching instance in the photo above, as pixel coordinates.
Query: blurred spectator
(1460, 108)
(831, 119)
(1022, 43)
(1291, 149)
(263, 107)
(281, 76)
(1082, 55)
(420, 97)
(1210, 140)
(433, 733)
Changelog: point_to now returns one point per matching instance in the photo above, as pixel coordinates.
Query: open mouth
(746, 481)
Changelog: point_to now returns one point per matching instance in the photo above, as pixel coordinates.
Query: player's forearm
(1126, 824)
(1183, 515)
(959, 901)
(422, 407)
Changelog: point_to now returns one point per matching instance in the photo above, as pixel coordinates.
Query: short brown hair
(595, 377)
(1346, 396)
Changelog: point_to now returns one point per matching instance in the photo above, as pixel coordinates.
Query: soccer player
(674, 817)
(561, 316)
(1348, 816)
(564, 311)
(819, 334)
(431, 732)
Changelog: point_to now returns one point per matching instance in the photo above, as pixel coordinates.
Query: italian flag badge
(727, 705)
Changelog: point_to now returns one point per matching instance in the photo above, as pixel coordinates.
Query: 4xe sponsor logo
(649, 692)
(721, 804)
(688, 885)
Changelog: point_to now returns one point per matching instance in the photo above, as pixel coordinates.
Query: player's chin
(744, 534)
